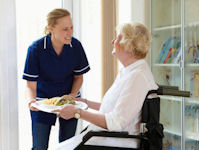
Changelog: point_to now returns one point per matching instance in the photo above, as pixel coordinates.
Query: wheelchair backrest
(153, 128)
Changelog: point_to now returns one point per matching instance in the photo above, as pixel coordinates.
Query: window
(91, 40)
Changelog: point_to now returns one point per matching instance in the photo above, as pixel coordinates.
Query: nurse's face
(63, 30)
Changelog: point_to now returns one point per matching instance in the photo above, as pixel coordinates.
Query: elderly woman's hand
(80, 99)
(67, 112)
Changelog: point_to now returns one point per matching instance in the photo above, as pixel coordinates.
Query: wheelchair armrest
(111, 134)
(91, 134)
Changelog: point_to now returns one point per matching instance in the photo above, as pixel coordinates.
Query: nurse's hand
(73, 95)
(31, 107)
(67, 112)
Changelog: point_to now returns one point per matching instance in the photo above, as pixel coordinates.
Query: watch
(77, 114)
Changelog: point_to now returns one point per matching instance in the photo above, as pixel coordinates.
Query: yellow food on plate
(65, 99)
(50, 101)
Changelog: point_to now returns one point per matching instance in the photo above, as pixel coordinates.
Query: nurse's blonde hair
(136, 39)
(53, 16)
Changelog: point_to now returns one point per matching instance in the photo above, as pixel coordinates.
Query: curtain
(109, 63)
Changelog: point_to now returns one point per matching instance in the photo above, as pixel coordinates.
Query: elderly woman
(120, 109)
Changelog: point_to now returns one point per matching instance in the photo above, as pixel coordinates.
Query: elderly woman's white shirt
(122, 103)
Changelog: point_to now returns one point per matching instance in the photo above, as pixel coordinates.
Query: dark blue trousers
(41, 132)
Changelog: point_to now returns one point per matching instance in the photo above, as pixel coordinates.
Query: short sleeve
(82, 65)
(31, 70)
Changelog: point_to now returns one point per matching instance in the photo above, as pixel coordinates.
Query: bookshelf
(175, 61)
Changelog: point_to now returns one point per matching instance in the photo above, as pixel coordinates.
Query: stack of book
(171, 51)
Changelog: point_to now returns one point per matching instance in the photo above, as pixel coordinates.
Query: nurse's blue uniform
(54, 75)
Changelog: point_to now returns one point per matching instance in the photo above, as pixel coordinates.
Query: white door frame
(74, 7)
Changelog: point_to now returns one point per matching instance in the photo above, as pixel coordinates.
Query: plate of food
(48, 105)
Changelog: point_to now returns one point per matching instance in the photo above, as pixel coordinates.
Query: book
(175, 47)
(178, 55)
(163, 49)
(168, 79)
(168, 55)
(196, 85)
(169, 45)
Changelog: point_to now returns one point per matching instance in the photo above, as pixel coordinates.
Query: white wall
(138, 11)
(8, 76)
(134, 11)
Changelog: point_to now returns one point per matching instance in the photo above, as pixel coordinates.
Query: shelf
(175, 26)
(176, 65)
(172, 132)
(192, 136)
(171, 98)
(179, 99)
(167, 65)
(193, 101)
(167, 27)
(192, 65)
(189, 135)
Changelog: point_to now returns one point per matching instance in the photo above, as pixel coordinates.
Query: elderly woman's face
(116, 45)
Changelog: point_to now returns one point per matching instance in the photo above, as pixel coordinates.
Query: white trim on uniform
(77, 95)
(29, 75)
(71, 45)
(44, 43)
(81, 69)
(39, 98)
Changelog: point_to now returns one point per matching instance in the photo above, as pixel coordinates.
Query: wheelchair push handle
(170, 90)
(168, 87)
(174, 92)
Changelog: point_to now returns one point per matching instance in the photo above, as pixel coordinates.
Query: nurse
(54, 66)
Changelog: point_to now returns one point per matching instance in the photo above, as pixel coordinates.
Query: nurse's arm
(31, 88)
(77, 83)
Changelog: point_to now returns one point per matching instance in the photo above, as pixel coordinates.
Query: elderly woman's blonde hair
(53, 16)
(136, 38)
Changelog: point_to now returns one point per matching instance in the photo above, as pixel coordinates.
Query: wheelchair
(151, 133)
